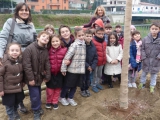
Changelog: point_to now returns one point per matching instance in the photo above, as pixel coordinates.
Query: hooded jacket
(99, 22)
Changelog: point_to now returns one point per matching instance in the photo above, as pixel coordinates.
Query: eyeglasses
(100, 33)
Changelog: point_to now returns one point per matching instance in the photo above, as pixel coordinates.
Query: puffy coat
(77, 54)
(150, 54)
(36, 64)
(55, 57)
(11, 75)
(113, 52)
(132, 59)
(23, 34)
(101, 51)
(91, 56)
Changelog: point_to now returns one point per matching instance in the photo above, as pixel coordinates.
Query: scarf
(101, 40)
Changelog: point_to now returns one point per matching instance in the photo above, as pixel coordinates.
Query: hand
(112, 62)
(116, 61)
(0, 62)
(67, 62)
(45, 80)
(32, 83)
(1, 93)
(90, 69)
(64, 73)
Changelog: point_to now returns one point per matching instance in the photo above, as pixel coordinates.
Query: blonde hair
(49, 26)
(96, 10)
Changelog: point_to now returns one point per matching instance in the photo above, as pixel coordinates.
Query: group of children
(65, 62)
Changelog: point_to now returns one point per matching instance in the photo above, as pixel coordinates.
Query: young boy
(150, 57)
(100, 45)
(50, 29)
(37, 69)
(108, 30)
(91, 63)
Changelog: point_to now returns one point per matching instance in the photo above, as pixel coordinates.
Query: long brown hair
(17, 9)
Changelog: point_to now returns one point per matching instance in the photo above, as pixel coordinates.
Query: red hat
(99, 22)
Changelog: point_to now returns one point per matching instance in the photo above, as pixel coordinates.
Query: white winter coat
(113, 53)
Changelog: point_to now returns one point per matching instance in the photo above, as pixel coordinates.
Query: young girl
(114, 56)
(66, 35)
(135, 58)
(150, 57)
(11, 75)
(50, 29)
(56, 55)
(73, 73)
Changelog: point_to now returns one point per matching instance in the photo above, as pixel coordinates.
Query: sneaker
(16, 115)
(130, 85)
(72, 102)
(55, 106)
(151, 89)
(99, 86)
(140, 86)
(134, 85)
(95, 89)
(37, 115)
(88, 93)
(41, 111)
(48, 105)
(22, 108)
(110, 86)
(64, 101)
(83, 94)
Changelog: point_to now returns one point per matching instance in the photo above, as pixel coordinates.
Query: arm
(109, 59)
(4, 34)
(68, 56)
(47, 68)
(132, 59)
(27, 66)
(2, 72)
(143, 54)
(95, 60)
(93, 19)
(120, 56)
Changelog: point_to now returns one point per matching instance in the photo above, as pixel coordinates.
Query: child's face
(55, 42)
(137, 37)
(108, 30)
(99, 34)
(96, 26)
(154, 30)
(112, 39)
(65, 33)
(88, 38)
(118, 29)
(80, 35)
(43, 40)
(50, 31)
(14, 51)
(132, 30)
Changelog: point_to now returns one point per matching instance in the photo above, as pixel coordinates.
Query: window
(114, 2)
(64, 1)
(57, 1)
(151, 7)
(32, 7)
(43, 1)
(57, 7)
(50, 1)
(146, 7)
(65, 8)
(43, 7)
(155, 8)
(110, 2)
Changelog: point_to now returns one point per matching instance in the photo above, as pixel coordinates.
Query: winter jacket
(24, 34)
(101, 51)
(55, 57)
(113, 53)
(91, 56)
(132, 59)
(77, 54)
(150, 54)
(70, 42)
(120, 37)
(11, 75)
(36, 64)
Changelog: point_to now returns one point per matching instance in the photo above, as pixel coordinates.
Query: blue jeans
(11, 111)
(153, 78)
(71, 92)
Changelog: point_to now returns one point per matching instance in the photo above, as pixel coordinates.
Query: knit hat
(99, 22)
(133, 27)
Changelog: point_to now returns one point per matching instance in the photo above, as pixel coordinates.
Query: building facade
(38, 5)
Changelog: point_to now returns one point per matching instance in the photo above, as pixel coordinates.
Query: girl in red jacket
(56, 55)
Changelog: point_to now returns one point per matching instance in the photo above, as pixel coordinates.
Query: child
(114, 56)
(98, 23)
(133, 28)
(120, 34)
(74, 71)
(135, 58)
(50, 29)
(108, 30)
(56, 55)
(66, 35)
(150, 57)
(91, 63)
(37, 69)
(100, 45)
(11, 75)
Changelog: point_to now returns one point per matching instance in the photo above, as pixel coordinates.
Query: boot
(16, 115)
(22, 108)
(37, 115)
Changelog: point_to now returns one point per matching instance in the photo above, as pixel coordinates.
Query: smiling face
(88, 38)
(43, 39)
(14, 51)
(55, 42)
(99, 34)
(23, 13)
(137, 37)
(100, 12)
(112, 39)
(65, 33)
(80, 35)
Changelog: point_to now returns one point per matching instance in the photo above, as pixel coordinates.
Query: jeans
(71, 93)
(11, 111)
(153, 78)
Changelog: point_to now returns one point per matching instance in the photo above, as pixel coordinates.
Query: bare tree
(123, 103)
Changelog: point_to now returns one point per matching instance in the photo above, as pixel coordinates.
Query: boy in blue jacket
(91, 63)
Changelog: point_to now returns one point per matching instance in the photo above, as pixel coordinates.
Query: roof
(145, 3)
